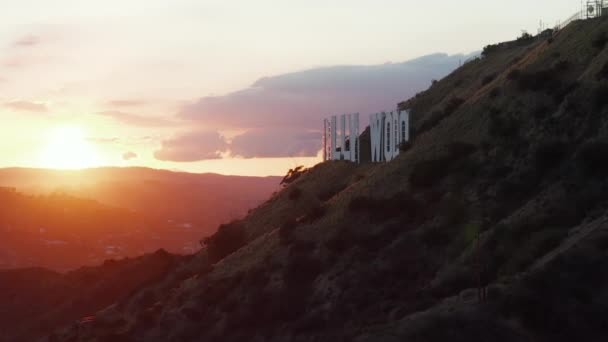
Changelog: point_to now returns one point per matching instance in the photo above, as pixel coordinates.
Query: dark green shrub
(514, 74)
(489, 49)
(593, 156)
(227, 240)
(383, 209)
(562, 65)
(599, 40)
(535, 246)
(600, 97)
(327, 194)
(603, 73)
(404, 146)
(438, 115)
(549, 154)
(487, 79)
(502, 127)
(453, 105)
(314, 214)
(293, 174)
(539, 80)
(458, 150)
(525, 37)
(495, 92)
(294, 194)
(427, 173)
(286, 231)
(340, 241)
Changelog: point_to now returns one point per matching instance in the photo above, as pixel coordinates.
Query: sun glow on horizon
(67, 148)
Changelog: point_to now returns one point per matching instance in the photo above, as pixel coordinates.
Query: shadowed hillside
(35, 301)
(503, 190)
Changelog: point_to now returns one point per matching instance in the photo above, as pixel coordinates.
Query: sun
(67, 148)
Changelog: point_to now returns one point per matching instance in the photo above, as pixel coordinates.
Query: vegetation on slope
(503, 188)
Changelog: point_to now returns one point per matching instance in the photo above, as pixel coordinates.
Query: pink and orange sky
(233, 87)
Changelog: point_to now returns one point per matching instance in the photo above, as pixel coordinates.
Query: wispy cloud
(193, 146)
(126, 103)
(26, 106)
(103, 140)
(27, 41)
(138, 120)
(129, 155)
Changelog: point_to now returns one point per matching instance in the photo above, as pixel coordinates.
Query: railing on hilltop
(576, 16)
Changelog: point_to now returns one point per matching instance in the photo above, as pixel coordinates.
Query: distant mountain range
(65, 219)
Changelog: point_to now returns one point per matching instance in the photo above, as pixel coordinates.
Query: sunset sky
(233, 87)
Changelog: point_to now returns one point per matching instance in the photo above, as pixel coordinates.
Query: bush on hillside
(293, 174)
(490, 49)
(600, 97)
(453, 105)
(539, 80)
(503, 127)
(286, 231)
(549, 154)
(538, 300)
(594, 156)
(599, 40)
(427, 173)
(384, 209)
(314, 214)
(295, 194)
(495, 92)
(332, 191)
(561, 65)
(525, 37)
(438, 115)
(404, 146)
(487, 79)
(603, 73)
(227, 240)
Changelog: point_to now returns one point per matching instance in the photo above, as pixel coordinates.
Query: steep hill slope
(504, 188)
(35, 301)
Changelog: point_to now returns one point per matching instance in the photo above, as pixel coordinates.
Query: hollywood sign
(388, 130)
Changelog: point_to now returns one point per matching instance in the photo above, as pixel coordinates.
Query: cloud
(126, 103)
(270, 143)
(192, 146)
(27, 41)
(138, 120)
(103, 140)
(129, 155)
(297, 102)
(26, 106)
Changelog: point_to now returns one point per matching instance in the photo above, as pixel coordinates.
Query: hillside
(504, 187)
(34, 300)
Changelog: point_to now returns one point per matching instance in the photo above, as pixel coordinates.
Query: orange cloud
(193, 146)
(26, 106)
